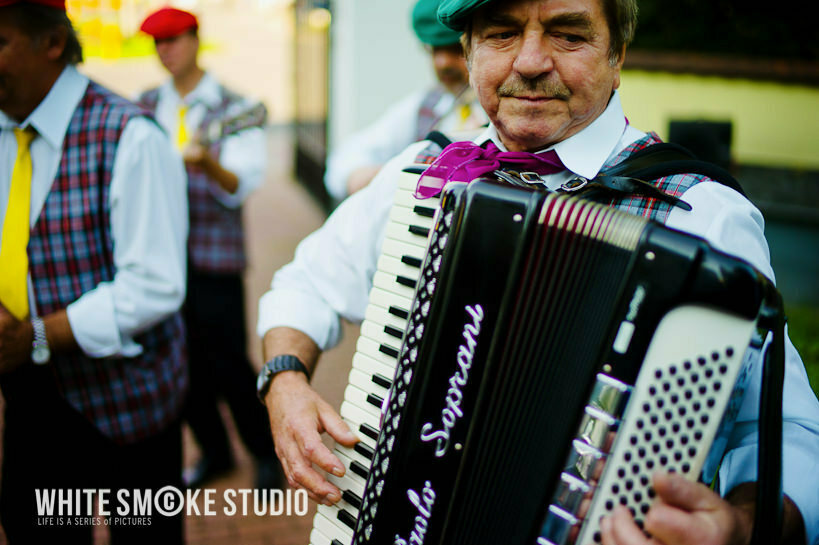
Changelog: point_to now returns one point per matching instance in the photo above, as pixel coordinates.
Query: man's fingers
(620, 529)
(675, 490)
(333, 424)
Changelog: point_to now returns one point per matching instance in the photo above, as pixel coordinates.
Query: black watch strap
(276, 365)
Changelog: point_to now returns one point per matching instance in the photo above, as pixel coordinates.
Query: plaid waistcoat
(70, 252)
(427, 118)
(216, 237)
(638, 205)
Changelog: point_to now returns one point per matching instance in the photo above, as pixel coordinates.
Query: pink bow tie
(465, 161)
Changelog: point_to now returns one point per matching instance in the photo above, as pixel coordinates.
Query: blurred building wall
(774, 124)
(375, 59)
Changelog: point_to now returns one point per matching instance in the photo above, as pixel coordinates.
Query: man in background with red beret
(221, 136)
(92, 252)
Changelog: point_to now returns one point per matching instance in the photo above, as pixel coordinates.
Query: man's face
(21, 63)
(178, 54)
(541, 68)
(450, 67)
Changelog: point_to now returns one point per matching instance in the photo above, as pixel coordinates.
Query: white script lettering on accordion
(452, 409)
(423, 503)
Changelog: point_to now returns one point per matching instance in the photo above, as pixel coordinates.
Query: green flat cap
(427, 27)
(455, 13)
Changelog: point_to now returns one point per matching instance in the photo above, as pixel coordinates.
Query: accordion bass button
(570, 493)
(610, 395)
(583, 460)
(558, 525)
(596, 426)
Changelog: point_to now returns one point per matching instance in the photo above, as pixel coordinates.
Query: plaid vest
(427, 118)
(216, 237)
(70, 252)
(635, 204)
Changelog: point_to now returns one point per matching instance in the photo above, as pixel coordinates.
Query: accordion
(556, 352)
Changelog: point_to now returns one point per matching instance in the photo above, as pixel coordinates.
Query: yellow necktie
(16, 227)
(464, 111)
(181, 130)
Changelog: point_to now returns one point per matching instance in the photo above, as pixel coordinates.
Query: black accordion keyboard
(556, 351)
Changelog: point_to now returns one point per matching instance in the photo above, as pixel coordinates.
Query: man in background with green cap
(547, 74)
(448, 106)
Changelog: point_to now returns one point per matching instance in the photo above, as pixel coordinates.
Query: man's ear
(618, 66)
(55, 42)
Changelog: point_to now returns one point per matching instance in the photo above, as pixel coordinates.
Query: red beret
(57, 4)
(167, 23)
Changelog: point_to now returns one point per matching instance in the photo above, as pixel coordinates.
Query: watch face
(261, 381)
(40, 355)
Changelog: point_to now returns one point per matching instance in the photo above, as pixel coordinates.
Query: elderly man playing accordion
(546, 72)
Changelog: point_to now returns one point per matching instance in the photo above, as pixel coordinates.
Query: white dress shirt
(391, 133)
(331, 276)
(149, 221)
(244, 153)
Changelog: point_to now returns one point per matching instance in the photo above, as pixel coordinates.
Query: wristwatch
(40, 352)
(275, 366)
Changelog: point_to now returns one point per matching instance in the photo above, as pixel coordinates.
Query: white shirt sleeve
(331, 275)
(733, 225)
(373, 145)
(149, 227)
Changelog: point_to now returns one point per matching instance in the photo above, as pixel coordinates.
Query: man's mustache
(540, 87)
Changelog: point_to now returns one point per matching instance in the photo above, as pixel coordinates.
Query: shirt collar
(51, 117)
(586, 152)
(205, 92)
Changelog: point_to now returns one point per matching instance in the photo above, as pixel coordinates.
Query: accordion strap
(634, 174)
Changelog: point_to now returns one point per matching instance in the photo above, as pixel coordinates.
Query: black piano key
(411, 261)
(417, 230)
(388, 350)
(415, 170)
(359, 469)
(404, 281)
(425, 211)
(393, 332)
(375, 400)
(346, 518)
(399, 312)
(351, 498)
(364, 450)
(381, 380)
(336, 542)
(369, 431)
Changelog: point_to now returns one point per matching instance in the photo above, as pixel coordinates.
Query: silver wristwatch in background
(40, 352)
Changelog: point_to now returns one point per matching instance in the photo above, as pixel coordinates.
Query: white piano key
(399, 231)
(387, 282)
(347, 462)
(399, 248)
(329, 523)
(364, 363)
(382, 316)
(371, 348)
(377, 334)
(386, 299)
(365, 382)
(409, 181)
(358, 397)
(354, 456)
(334, 513)
(347, 484)
(355, 426)
(391, 265)
(358, 416)
(318, 538)
(406, 215)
